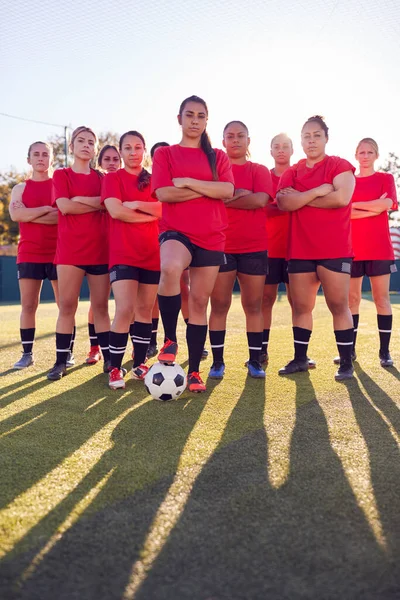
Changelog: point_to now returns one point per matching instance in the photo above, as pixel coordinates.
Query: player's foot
(116, 379)
(217, 370)
(255, 369)
(264, 358)
(204, 354)
(151, 351)
(311, 363)
(26, 360)
(70, 360)
(345, 371)
(57, 372)
(93, 356)
(385, 358)
(168, 353)
(336, 360)
(107, 368)
(294, 366)
(140, 371)
(195, 383)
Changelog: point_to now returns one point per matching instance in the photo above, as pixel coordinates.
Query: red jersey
(318, 233)
(132, 244)
(371, 237)
(277, 226)
(82, 239)
(203, 220)
(246, 227)
(37, 242)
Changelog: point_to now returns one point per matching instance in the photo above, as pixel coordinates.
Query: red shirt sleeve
(161, 172)
(262, 181)
(389, 187)
(286, 180)
(60, 186)
(110, 187)
(224, 169)
(340, 165)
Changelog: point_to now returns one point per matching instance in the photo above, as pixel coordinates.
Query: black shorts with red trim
(124, 272)
(277, 271)
(248, 263)
(94, 269)
(338, 265)
(372, 268)
(200, 256)
(39, 271)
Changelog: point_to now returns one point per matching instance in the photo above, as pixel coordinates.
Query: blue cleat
(217, 370)
(255, 369)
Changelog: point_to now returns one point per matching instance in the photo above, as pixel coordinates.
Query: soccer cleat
(345, 371)
(204, 354)
(168, 353)
(311, 363)
(70, 360)
(57, 372)
(116, 379)
(139, 372)
(195, 383)
(385, 358)
(217, 370)
(255, 369)
(294, 366)
(336, 360)
(26, 360)
(93, 356)
(263, 358)
(151, 351)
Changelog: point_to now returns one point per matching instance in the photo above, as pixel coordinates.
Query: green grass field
(283, 489)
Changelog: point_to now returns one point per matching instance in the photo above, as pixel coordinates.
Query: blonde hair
(279, 135)
(82, 129)
(48, 146)
(369, 141)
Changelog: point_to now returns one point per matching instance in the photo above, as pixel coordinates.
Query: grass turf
(280, 489)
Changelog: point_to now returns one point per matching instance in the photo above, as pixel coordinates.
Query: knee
(382, 303)
(338, 307)
(354, 299)
(171, 270)
(198, 303)
(100, 308)
(30, 306)
(268, 301)
(68, 306)
(252, 307)
(300, 307)
(220, 306)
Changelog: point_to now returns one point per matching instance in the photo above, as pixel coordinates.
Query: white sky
(121, 65)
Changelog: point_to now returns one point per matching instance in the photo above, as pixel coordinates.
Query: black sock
(141, 340)
(92, 335)
(131, 331)
(254, 340)
(104, 343)
(196, 338)
(265, 341)
(385, 331)
(71, 348)
(356, 318)
(344, 341)
(27, 339)
(154, 329)
(169, 309)
(217, 341)
(301, 338)
(118, 342)
(63, 345)
(186, 321)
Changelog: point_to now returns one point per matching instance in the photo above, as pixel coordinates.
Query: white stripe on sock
(252, 348)
(298, 342)
(117, 351)
(28, 342)
(345, 343)
(218, 346)
(380, 331)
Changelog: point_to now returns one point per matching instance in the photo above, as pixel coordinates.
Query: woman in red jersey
(192, 180)
(374, 195)
(31, 206)
(134, 256)
(245, 251)
(109, 160)
(317, 193)
(81, 246)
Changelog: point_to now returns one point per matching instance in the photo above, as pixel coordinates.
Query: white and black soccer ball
(165, 382)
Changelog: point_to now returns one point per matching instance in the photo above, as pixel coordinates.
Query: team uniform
(37, 243)
(277, 234)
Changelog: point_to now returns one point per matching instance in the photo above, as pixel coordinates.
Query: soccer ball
(165, 382)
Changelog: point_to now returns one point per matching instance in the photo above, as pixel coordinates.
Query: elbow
(162, 195)
(228, 191)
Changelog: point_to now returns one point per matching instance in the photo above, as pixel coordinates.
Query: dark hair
(104, 150)
(205, 142)
(157, 145)
(321, 122)
(144, 176)
(238, 123)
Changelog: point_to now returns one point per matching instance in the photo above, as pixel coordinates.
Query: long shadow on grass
(381, 399)
(93, 559)
(239, 538)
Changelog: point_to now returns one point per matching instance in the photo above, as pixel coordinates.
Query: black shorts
(40, 271)
(277, 271)
(123, 272)
(200, 256)
(338, 265)
(248, 263)
(94, 269)
(372, 268)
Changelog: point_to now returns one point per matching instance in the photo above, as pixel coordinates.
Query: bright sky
(116, 65)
